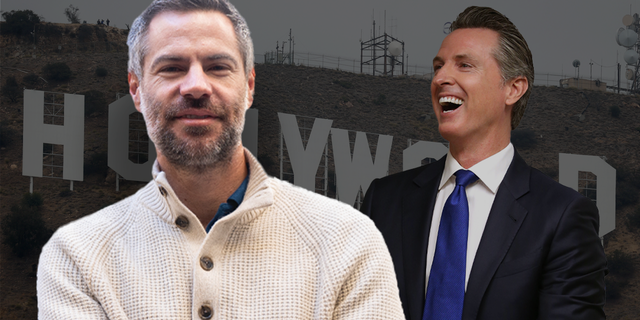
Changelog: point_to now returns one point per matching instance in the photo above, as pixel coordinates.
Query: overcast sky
(557, 31)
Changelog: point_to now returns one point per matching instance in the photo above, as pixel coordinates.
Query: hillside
(399, 106)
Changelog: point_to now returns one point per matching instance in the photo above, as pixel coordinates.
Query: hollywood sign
(354, 168)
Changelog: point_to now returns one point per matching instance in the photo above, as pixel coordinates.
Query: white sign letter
(356, 173)
(571, 164)
(118, 157)
(36, 133)
(304, 161)
(250, 131)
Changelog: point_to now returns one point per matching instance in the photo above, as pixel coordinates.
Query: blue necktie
(445, 292)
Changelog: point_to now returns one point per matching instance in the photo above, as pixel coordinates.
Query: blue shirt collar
(232, 203)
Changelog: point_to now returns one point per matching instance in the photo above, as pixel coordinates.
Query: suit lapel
(504, 221)
(417, 210)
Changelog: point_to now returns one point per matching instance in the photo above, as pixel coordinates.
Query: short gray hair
(513, 54)
(138, 35)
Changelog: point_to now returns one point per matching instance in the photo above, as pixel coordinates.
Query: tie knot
(465, 177)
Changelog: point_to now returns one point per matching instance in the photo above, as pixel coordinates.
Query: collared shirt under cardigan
(284, 253)
(232, 203)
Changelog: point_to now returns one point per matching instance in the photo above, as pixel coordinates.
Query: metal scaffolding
(375, 53)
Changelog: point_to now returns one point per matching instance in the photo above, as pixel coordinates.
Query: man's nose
(443, 76)
(195, 83)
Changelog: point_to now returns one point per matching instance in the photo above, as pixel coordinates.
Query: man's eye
(464, 65)
(218, 68)
(170, 69)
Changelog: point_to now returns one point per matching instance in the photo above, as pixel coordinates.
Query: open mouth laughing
(450, 103)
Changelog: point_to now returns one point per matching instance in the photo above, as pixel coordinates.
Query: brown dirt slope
(399, 106)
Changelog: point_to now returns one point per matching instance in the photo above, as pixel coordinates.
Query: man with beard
(211, 236)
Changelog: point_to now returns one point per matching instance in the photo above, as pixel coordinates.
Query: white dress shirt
(480, 196)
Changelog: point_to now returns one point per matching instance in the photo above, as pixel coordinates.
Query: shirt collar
(233, 202)
(238, 195)
(490, 171)
(259, 194)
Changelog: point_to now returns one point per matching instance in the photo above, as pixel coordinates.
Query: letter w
(356, 173)
(304, 161)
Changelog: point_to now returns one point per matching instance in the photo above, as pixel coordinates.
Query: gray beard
(194, 155)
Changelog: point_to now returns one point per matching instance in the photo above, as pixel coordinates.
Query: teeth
(450, 100)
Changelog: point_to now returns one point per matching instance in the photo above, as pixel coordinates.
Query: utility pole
(293, 49)
(289, 46)
(618, 77)
(374, 48)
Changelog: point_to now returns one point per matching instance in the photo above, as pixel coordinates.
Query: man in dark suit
(524, 247)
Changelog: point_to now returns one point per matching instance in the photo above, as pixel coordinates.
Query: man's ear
(134, 89)
(251, 86)
(516, 89)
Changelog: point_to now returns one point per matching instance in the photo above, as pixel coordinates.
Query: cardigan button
(205, 312)
(182, 222)
(163, 191)
(206, 263)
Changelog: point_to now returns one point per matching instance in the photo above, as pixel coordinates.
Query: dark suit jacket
(539, 257)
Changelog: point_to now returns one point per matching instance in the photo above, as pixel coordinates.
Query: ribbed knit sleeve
(62, 290)
(122, 262)
(359, 279)
(69, 260)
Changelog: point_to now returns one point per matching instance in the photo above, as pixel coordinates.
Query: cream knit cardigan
(284, 253)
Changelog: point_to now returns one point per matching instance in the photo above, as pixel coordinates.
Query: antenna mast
(382, 47)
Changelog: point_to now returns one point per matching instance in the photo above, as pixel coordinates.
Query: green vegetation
(20, 23)
(58, 71)
(620, 263)
(633, 220)
(32, 200)
(101, 72)
(72, 14)
(620, 266)
(343, 83)
(613, 288)
(100, 33)
(627, 185)
(30, 79)
(7, 134)
(23, 228)
(626, 194)
(615, 111)
(381, 99)
(11, 90)
(85, 32)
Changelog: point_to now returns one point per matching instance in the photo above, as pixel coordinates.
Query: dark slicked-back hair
(513, 54)
(138, 35)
